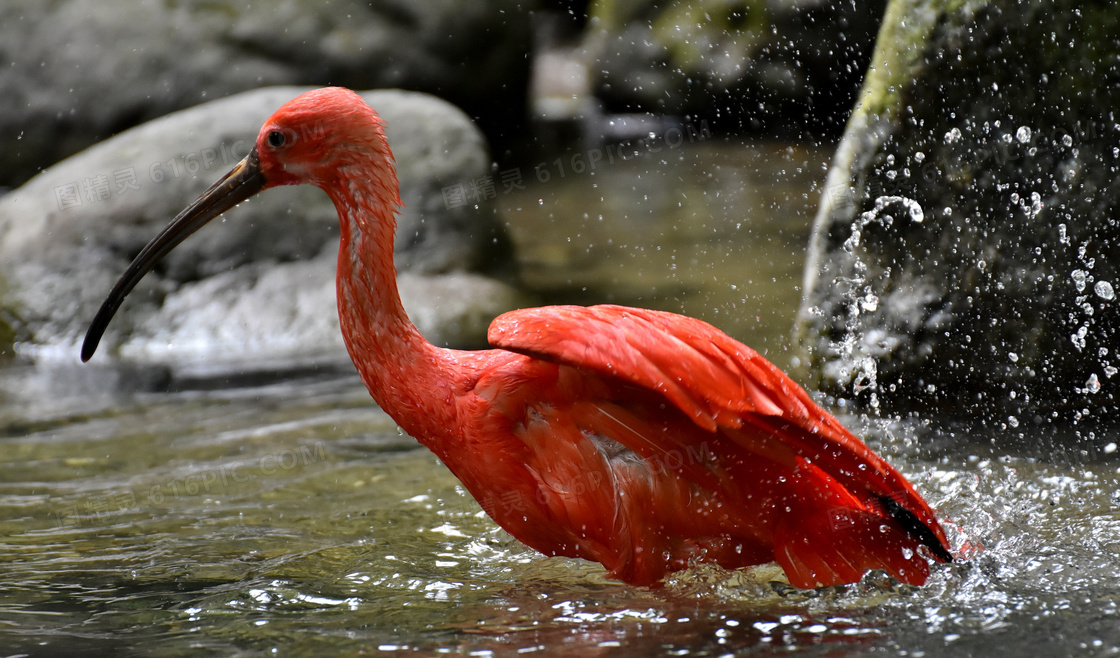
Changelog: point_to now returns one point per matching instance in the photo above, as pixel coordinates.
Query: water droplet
(1110, 448)
(916, 214)
(1079, 277)
(1067, 140)
(1079, 338)
(1092, 385)
(1104, 290)
(1023, 134)
(1014, 357)
(1036, 203)
(953, 135)
(1013, 421)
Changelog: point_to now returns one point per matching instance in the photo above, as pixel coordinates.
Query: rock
(967, 248)
(77, 71)
(772, 66)
(257, 285)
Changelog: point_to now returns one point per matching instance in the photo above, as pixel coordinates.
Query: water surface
(291, 516)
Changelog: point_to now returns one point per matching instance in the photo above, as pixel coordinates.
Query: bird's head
(322, 137)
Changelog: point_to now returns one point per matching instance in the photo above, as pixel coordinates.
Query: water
(712, 230)
(293, 517)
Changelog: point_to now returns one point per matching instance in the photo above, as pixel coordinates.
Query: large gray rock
(76, 71)
(257, 285)
(966, 255)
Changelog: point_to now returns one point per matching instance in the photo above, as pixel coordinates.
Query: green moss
(690, 31)
(901, 48)
(7, 340)
(612, 15)
(8, 333)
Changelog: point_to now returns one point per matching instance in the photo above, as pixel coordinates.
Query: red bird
(639, 439)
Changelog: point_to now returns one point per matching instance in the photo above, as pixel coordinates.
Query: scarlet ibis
(643, 440)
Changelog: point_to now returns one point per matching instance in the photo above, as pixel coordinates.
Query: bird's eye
(276, 138)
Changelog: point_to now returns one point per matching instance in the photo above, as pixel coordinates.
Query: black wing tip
(916, 529)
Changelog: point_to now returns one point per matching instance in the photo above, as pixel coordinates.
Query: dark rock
(74, 72)
(774, 66)
(966, 252)
(259, 284)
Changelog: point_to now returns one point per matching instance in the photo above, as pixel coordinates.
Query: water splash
(857, 356)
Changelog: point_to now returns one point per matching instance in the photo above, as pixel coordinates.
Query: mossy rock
(966, 252)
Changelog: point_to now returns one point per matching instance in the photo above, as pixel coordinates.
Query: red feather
(739, 436)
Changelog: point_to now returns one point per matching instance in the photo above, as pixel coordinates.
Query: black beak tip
(95, 331)
(89, 345)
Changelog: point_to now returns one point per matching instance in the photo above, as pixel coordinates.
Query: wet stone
(998, 120)
(256, 287)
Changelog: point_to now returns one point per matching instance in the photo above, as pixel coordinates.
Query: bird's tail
(828, 536)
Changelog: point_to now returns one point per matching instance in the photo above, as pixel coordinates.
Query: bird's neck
(404, 373)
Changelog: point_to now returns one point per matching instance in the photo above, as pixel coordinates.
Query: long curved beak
(242, 182)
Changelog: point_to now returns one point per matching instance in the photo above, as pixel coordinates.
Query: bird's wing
(711, 377)
(723, 386)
